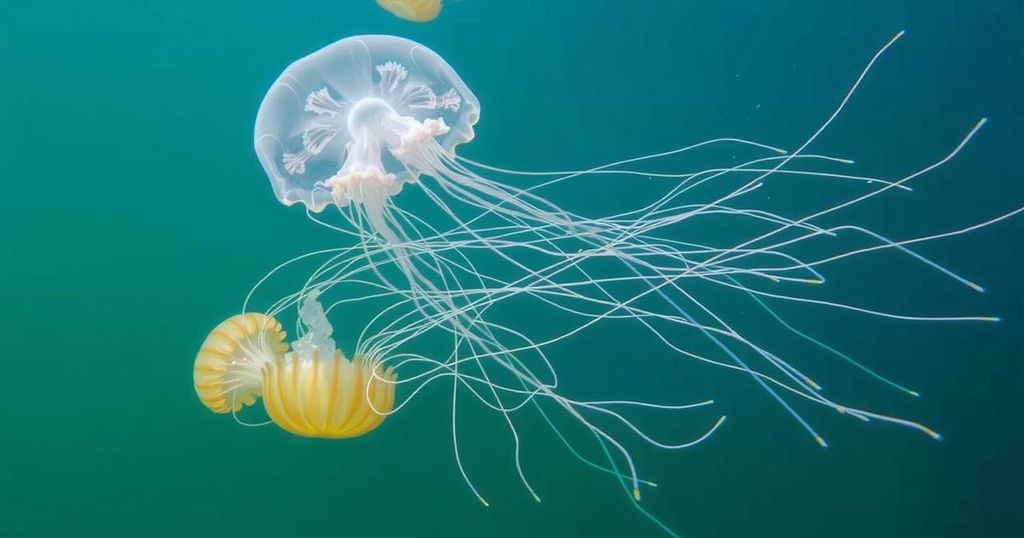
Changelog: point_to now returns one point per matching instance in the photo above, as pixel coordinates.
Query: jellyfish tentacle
(455, 445)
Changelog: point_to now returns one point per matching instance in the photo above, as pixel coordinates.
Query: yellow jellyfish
(412, 10)
(327, 397)
(227, 368)
(312, 391)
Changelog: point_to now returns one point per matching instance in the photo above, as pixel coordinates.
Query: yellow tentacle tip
(821, 441)
(484, 502)
(636, 493)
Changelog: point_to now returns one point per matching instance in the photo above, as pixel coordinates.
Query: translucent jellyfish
(451, 253)
(413, 10)
(312, 391)
(371, 104)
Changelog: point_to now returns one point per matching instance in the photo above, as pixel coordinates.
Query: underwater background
(134, 216)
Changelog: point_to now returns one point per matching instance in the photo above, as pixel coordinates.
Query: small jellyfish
(227, 369)
(412, 10)
(312, 391)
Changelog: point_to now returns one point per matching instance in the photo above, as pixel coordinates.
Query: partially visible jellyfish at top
(457, 257)
(413, 10)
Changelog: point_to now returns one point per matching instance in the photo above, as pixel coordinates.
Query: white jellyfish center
(382, 120)
(369, 113)
(374, 125)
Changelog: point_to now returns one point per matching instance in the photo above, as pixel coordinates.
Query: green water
(135, 216)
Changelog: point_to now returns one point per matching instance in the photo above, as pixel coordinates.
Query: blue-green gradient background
(134, 216)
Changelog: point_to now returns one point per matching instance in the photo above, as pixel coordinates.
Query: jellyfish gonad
(448, 246)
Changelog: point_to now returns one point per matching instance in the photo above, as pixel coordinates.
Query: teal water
(135, 216)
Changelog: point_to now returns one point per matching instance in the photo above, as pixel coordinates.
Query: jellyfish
(452, 251)
(311, 391)
(412, 10)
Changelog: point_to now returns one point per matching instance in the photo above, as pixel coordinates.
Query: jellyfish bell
(315, 391)
(356, 120)
(312, 390)
(412, 10)
(327, 395)
(226, 374)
